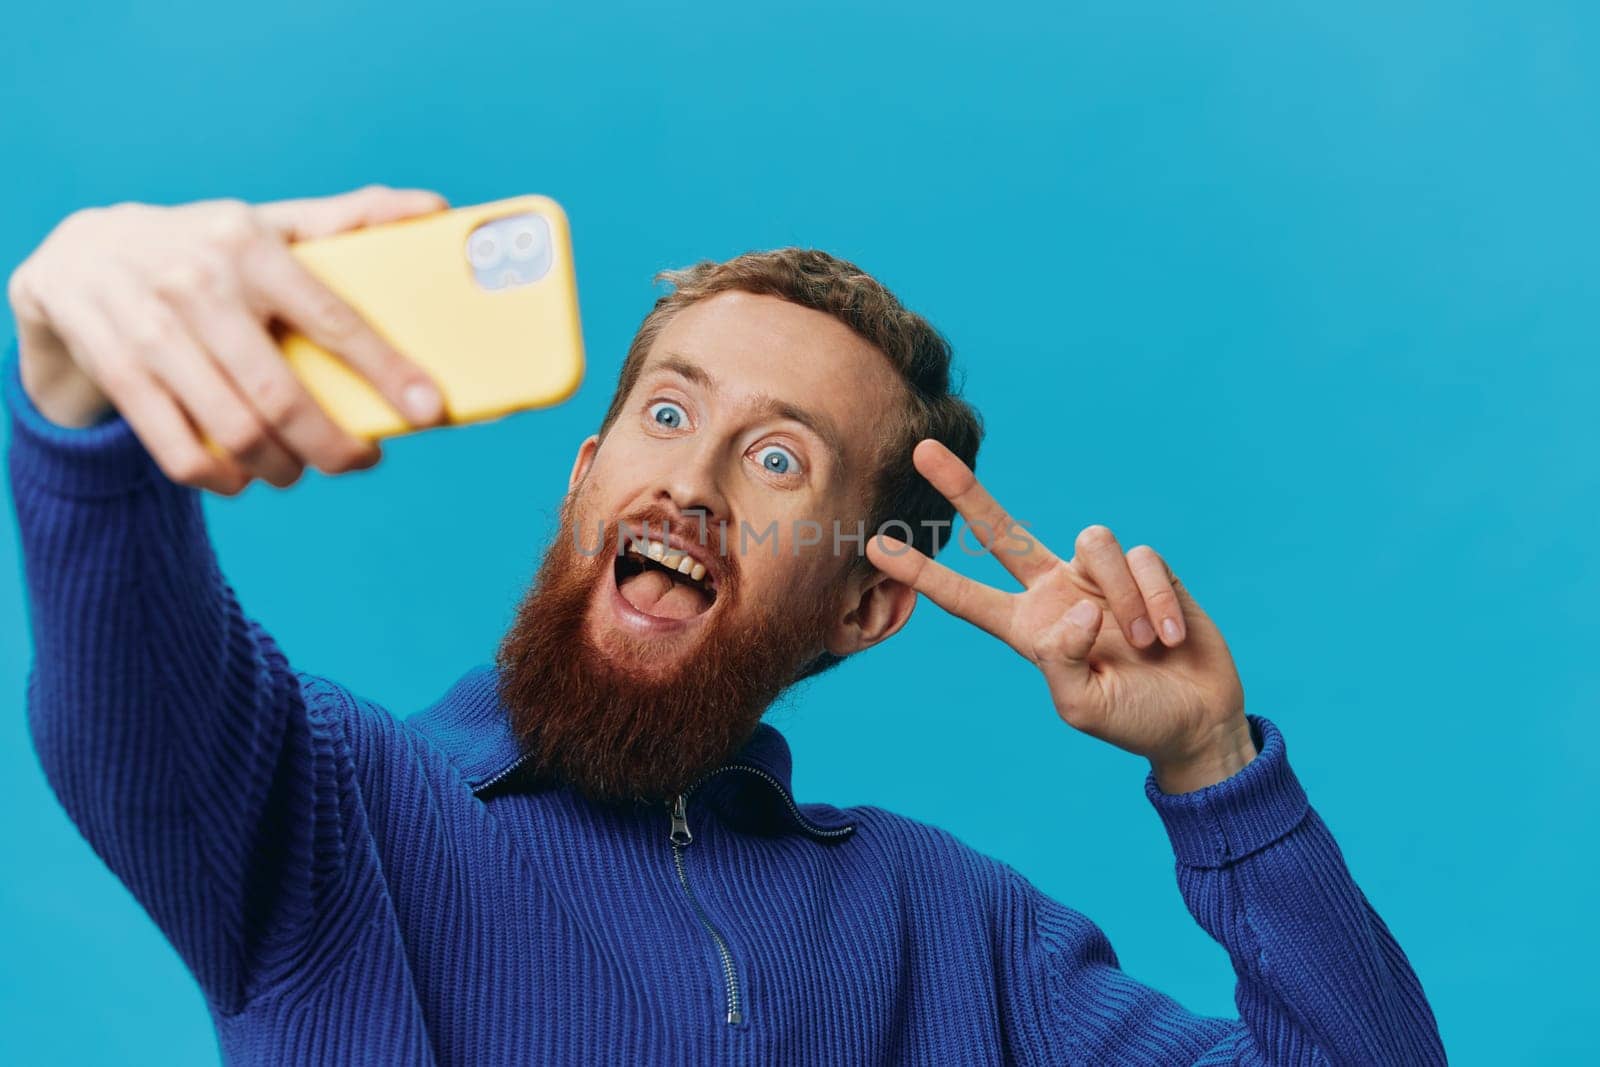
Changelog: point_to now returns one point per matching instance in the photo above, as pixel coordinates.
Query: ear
(580, 466)
(876, 606)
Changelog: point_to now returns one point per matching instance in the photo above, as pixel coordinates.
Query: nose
(692, 490)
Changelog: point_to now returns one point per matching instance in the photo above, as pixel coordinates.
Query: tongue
(655, 593)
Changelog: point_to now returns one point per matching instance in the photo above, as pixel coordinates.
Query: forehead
(753, 344)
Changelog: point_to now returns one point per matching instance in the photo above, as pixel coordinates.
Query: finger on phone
(304, 218)
(169, 352)
(297, 296)
(257, 369)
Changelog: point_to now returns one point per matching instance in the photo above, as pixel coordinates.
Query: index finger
(308, 304)
(308, 217)
(1027, 557)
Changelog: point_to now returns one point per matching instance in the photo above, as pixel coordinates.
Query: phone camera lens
(524, 242)
(483, 250)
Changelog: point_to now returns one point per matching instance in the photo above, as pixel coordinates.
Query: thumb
(1063, 651)
(321, 216)
(1071, 638)
(1064, 645)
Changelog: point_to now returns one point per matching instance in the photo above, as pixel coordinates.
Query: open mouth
(664, 582)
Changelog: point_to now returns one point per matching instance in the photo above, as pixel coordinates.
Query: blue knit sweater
(348, 887)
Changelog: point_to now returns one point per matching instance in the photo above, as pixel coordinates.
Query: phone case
(491, 351)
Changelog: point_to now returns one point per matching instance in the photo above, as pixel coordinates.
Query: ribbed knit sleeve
(169, 724)
(1319, 978)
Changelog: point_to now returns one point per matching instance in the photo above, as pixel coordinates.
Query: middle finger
(172, 356)
(258, 368)
(1019, 552)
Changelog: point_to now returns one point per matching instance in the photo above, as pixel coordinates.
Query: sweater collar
(752, 788)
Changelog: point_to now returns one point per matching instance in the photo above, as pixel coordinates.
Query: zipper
(680, 838)
(805, 824)
(502, 775)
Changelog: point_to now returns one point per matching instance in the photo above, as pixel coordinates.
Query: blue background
(1302, 294)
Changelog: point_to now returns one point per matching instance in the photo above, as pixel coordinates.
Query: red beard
(597, 723)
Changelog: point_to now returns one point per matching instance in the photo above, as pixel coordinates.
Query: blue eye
(667, 414)
(777, 460)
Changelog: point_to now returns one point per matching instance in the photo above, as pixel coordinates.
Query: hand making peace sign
(1175, 700)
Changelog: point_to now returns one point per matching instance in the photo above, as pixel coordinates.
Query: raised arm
(1319, 978)
(205, 771)
(1131, 658)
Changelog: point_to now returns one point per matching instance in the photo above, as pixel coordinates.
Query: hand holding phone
(483, 298)
(167, 314)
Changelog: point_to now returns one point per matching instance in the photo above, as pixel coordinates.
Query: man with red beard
(589, 850)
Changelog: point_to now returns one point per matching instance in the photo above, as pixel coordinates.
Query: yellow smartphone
(484, 298)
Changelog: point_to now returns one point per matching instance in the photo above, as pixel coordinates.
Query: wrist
(59, 390)
(1220, 825)
(1220, 758)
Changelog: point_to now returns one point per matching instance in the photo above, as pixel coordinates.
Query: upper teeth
(671, 558)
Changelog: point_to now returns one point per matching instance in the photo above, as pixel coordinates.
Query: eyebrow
(764, 404)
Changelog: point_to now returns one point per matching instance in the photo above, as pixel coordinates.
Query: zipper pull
(680, 822)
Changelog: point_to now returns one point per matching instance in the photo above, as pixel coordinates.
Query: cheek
(782, 538)
(812, 543)
(602, 491)
(583, 503)
(776, 578)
